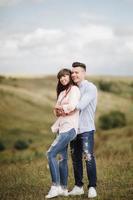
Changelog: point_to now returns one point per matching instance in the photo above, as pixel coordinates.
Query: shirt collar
(82, 83)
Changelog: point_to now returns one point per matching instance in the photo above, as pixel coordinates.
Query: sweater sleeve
(73, 99)
(90, 93)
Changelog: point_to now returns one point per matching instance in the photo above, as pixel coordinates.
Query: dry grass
(26, 113)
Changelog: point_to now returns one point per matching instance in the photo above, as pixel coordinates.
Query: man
(83, 145)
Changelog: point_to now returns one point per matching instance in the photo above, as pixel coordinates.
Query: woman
(66, 126)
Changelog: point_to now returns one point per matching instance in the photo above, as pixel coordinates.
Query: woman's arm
(73, 99)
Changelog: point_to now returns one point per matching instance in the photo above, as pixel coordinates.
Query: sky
(39, 37)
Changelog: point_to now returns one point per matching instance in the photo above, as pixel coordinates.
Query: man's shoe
(76, 191)
(63, 192)
(53, 192)
(92, 192)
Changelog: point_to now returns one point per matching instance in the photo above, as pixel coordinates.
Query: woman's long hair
(61, 87)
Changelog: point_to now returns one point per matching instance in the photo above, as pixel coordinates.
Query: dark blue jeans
(82, 146)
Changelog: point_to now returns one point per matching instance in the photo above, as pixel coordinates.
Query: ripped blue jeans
(81, 147)
(59, 168)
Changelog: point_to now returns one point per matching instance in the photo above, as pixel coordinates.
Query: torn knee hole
(60, 157)
(87, 156)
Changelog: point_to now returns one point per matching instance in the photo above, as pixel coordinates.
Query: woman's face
(64, 80)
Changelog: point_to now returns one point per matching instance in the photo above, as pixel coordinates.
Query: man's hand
(70, 113)
(60, 112)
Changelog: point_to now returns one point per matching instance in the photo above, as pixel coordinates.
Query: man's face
(78, 74)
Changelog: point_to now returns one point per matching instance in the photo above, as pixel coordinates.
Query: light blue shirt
(87, 106)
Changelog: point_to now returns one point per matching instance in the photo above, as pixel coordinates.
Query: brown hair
(61, 87)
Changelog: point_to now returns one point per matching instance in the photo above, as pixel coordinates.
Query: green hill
(26, 114)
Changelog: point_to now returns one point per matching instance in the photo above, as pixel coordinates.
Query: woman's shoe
(63, 192)
(53, 192)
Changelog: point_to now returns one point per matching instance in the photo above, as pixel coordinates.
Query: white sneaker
(53, 192)
(92, 192)
(76, 191)
(63, 192)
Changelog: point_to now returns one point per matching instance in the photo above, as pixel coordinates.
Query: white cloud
(129, 45)
(41, 37)
(91, 33)
(102, 48)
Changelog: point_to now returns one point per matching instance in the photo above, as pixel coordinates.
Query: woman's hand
(58, 107)
(58, 110)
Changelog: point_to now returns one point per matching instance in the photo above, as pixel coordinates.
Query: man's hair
(78, 64)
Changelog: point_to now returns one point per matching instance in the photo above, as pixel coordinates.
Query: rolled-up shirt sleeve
(74, 97)
(89, 94)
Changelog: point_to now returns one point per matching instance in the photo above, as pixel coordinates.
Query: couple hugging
(75, 111)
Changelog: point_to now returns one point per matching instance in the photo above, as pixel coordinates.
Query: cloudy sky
(39, 37)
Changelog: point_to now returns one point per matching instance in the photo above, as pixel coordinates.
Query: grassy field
(26, 114)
